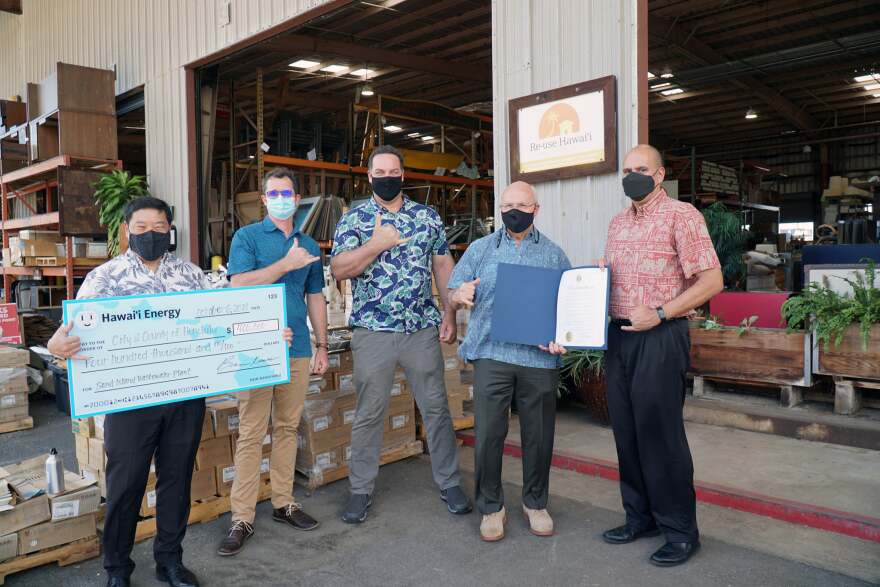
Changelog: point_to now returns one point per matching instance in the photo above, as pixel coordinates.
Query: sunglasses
(272, 194)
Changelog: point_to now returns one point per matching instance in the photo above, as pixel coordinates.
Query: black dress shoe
(675, 553)
(294, 515)
(626, 534)
(176, 576)
(118, 581)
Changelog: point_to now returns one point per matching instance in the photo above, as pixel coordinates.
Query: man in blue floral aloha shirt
(389, 248)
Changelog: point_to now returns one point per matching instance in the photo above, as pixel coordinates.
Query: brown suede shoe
(294, 515)
(238, 534)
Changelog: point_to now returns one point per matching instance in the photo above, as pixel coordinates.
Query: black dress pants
(645, 375)
(495, 383)
(171, 433)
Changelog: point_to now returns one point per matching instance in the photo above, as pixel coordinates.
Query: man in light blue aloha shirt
(389, 248)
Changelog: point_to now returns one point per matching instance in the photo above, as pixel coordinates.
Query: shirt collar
(651, 206)
(534, 235)
(269, 226)
(379, 208)
(135, 259)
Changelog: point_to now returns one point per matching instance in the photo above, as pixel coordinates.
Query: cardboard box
(314, 463)
(34, 248)
(321, 384)
(35, 235)
(224, 414)
(75, 504)
(148, 502)
(8, 547)
(207, 427)
(26, 513)
(340, 362)
(82, 450)
(13, 357)
(214, 452)
(84, 427)
(51, 534)
(225, 476)
(204, 485)
(13, 380)
(13, 399)
(97, 456)
(12, 414)
(99, 477)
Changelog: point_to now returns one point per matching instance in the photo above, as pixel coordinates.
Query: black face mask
(150, 245)
(637, 185)
(387, 188)
(517, 221)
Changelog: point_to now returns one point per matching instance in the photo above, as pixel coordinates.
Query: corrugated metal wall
(543, 44)
(148, 42)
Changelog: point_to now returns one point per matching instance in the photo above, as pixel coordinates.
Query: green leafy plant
(577, 364)
(112, 192)
(828, 314)
(746, 325)
(711, 323)
(729, 239)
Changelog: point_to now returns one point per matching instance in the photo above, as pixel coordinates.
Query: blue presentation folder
(525, 305)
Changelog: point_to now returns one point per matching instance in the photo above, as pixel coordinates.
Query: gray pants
(376, 356)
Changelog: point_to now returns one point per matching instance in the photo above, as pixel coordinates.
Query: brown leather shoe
(294, 515)
(238, 534)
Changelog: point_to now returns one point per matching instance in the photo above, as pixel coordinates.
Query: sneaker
(540, 522)
(238, 534)
(356, 508)
(294, 515)
(492, 526)
(456, 501)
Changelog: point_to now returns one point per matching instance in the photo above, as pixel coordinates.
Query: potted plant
(112, 192)
(846, 328)
(729, 239)
(585, 369)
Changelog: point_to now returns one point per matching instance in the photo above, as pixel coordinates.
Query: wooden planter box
(760, 355)
(850, 359)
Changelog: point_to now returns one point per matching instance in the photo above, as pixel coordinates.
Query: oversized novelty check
(155, 349)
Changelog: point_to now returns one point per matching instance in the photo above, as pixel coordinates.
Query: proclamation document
(153, 349)
(582, 308)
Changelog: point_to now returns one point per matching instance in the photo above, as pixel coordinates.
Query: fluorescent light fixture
(363, 72)
(873, 87)
(427, 138)
(672, 92)
(663, 85)
(392, 128)
(335, 68)
(666, 75)
(651, 75)
(867, 78)
(413, 135)
(875, 95)
(304, 64)
(751, 114)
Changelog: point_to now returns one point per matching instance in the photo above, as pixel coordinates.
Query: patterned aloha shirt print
(654, 252)
(126, 275)
(394, 292)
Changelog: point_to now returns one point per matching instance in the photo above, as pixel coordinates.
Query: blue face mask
(281, 208)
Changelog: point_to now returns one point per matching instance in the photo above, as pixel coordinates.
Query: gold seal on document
(568, 335)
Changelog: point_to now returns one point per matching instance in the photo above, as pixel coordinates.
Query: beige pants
(286, 405)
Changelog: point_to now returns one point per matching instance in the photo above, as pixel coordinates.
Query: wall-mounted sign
(566, 132)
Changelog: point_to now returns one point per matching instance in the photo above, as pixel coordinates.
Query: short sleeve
(564, 263)
(242, 256)
(696, 253)
(464, 269)
(347, 237)
(95, 285)
(440, 246)
(315, 278)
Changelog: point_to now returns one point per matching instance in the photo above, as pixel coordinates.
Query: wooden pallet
(200, 512)
(312, 481)
(463, 422)
(63, 555)
(789, 395)
(16, 425)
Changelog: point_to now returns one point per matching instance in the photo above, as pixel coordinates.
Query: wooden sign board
(78, 212)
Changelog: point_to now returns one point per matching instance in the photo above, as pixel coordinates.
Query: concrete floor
(411, 539)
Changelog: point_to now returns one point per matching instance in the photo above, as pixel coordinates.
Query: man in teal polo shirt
(272, 251)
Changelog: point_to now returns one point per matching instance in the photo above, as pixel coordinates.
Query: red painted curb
(794, 512)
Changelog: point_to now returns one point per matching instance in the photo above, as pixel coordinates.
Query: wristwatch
(321, 345)
(661, 313)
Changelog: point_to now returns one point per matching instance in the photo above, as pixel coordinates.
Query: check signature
(230, 364)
